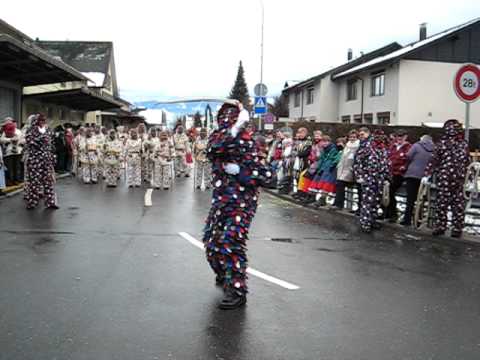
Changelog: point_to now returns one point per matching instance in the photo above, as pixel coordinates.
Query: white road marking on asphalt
(148, 197)
(251, 271)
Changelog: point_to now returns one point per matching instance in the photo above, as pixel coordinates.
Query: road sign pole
(467, 121)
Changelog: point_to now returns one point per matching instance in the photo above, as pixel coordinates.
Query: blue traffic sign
(260, 104)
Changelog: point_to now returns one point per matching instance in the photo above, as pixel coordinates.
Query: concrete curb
(19, 191)
(346, 222)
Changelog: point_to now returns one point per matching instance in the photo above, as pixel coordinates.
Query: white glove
(425, 180)
(232, 169)
(243, 118)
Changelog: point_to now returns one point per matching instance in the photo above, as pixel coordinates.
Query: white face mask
(42, 130)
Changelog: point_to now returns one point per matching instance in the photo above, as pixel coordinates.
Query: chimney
(350, 55)
(423, 31)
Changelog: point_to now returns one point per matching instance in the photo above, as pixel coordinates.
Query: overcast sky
(182, 48)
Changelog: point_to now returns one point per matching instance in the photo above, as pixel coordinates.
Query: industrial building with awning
(27, 66)
(24, 65)
(82, 99)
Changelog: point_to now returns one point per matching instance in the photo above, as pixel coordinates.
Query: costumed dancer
(237, 172)
(449, 169)
(182, 148)
(101, 135)
(133, 151)
(112, 150)
(148, 146)
(371, 169)
(89, 157)
(40, 164)
(203, 167)
(76, 163)
(161, 156)
(143, 137)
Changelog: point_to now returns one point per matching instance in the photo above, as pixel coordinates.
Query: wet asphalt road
(107, 278)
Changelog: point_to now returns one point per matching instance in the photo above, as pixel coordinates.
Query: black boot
(456, 233)
(438, 232)
(376, 226)
(309, 199)
(219, 280)
(232, 300)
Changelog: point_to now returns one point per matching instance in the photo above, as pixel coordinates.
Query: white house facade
(411, 85)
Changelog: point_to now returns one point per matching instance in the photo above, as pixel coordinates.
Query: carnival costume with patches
(40, 164)
(133, 151)
(148, 146)
(76, 164)
(100, 139)
(112, 152)
(203, 167)
(182, 148)
(234, 201)
(371, 169)
(89, 159)
(161, 156)
(143, 137)
(449, 167)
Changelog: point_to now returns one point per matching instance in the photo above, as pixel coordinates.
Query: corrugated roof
(30, 65)
(85, 56)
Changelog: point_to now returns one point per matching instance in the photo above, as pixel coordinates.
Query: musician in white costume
(112, 151)
(161, 156)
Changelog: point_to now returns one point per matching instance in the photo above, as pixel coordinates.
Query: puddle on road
(331, 250)
(283, 240)
(45, 240)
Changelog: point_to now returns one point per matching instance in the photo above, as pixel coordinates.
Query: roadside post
(260, 106)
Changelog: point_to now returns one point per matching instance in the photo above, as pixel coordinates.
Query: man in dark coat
(449, 169)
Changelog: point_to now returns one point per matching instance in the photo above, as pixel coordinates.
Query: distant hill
(180, 109)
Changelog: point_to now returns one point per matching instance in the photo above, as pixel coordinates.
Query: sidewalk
(17, 189)
(347, 222)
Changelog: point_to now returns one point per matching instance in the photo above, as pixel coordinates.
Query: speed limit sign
(467, 87)
(467, 83)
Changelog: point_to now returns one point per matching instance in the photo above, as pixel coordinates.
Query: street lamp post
(261, 58)
(261, 44)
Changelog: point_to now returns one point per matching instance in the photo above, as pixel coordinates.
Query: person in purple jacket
(418, 158)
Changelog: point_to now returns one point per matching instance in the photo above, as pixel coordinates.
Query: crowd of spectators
(370, 168)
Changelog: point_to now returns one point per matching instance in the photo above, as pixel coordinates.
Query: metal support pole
(261, 44)
(467, 121)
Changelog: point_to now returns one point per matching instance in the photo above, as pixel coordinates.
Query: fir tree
(280, 106)
(197, 119)
(240, 88)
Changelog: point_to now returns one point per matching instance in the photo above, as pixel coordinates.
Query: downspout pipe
(362, 99)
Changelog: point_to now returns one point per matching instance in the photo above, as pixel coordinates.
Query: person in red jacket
(397, 154)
